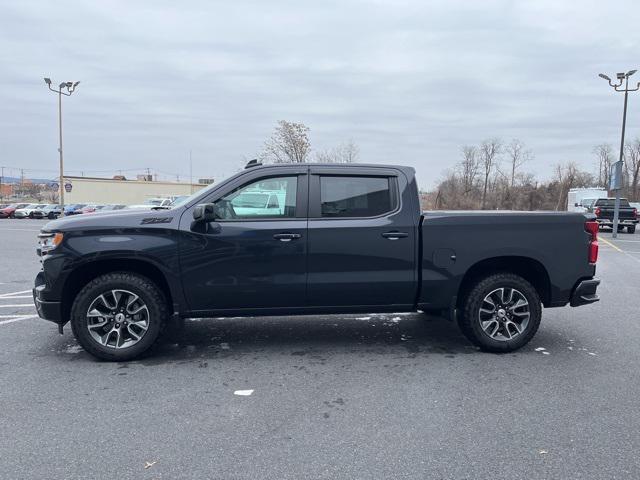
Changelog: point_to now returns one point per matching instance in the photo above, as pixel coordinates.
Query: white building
(110, 190)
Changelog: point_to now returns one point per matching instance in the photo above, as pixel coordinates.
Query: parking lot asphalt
(353, 396)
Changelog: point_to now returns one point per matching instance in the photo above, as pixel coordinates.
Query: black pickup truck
(603, 208)
(310, 239)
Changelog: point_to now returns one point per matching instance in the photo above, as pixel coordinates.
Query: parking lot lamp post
(622, 78)
(70, 87)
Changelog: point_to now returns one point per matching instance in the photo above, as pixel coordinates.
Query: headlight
(49, 241)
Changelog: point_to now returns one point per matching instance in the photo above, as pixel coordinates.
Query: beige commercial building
(129, 192)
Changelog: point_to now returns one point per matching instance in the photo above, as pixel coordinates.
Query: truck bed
(456, 245)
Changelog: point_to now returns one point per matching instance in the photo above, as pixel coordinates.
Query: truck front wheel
(118, 316)
(501, 313)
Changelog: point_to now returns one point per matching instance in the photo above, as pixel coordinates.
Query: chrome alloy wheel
(504, 314)
(117, 319)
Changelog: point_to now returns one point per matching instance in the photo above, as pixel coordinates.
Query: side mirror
(576, 204)
(205, 212)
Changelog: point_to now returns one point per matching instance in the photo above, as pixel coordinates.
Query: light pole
(622, 78)
(70, 87)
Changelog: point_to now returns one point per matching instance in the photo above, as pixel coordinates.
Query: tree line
(490, 175)
(493, 175)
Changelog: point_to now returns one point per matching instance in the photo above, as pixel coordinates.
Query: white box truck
(580, 199)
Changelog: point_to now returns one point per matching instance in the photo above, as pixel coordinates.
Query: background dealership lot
(338, 396)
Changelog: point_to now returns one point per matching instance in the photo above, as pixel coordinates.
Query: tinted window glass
(265, 198)
(354, 196)
(611, 202)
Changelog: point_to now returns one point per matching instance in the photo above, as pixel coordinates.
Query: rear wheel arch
(89, 271)
(526, 267)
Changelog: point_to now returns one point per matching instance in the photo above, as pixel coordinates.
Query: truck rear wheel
(501, 313)
(631, 229)
(118, 316)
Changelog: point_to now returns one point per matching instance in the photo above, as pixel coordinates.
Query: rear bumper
(585, 292)
(622, 221)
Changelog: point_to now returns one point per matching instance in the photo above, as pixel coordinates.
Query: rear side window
(355, 196)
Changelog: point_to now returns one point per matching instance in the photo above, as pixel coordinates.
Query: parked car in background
(28, 211)
(74, 208)
(50, 211)
(586, 204)
(112, 207)
(91, 208)
(627, 215)
(9, 211)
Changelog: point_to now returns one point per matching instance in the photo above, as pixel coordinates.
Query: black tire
(469, 319)
(631, 229)
(31, 215)
(141, 286)
(51, 216)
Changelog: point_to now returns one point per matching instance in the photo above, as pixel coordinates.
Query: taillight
(635, 213)
(591, 227)
(598, 211)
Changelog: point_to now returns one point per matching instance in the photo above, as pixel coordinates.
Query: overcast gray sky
(408, 81)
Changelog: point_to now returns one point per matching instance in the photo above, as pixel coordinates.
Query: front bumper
(46, 309)
(584, 292)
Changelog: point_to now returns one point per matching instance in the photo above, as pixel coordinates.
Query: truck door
(254, 255)
(362, 249)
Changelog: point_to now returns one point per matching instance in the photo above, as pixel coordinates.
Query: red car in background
(8, 211)
(91, 208)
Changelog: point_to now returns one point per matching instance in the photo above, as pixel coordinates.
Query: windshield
(184, 199)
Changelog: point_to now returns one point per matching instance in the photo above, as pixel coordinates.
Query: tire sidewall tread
(138, 284)
(470, 326)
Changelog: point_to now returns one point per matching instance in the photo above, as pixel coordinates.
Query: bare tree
(347, 152)
(604, 154)
(633, 165)
(517, 155)
(489, 151)
(288, 144)
(468, 167)
(570, 176)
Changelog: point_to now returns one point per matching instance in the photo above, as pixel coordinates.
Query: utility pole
(190, 173)
(616, 182)
(1, 182)
(70, 87)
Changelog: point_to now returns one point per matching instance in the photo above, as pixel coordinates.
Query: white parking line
(11, 294)
(17, 319)
(18, 305)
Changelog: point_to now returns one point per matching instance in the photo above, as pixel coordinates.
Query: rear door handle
(286, 237)
(395, 235)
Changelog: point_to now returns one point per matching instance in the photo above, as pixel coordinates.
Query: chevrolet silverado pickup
(304, 239)
(603, 208)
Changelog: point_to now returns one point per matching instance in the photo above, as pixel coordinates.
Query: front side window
(355, 196)
(273, 197)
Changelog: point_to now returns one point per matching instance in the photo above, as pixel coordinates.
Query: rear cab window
(611, 202)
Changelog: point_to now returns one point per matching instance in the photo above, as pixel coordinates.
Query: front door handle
(286, 237)
(395, 235)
